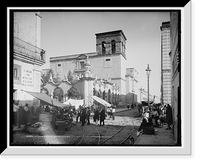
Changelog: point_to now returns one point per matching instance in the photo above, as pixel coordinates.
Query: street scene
(96, 78)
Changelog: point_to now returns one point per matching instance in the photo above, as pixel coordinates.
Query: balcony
(28, 51)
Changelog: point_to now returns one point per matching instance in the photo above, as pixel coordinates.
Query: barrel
(60, 127)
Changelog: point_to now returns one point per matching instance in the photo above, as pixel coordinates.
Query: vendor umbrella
(47, 99)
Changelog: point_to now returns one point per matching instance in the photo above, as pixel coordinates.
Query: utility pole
(148, 74)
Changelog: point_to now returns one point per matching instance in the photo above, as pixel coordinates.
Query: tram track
(121, 131)
(89, 139)
(129, 135)
(95, 136)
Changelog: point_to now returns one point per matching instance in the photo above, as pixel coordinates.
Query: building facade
(28, 57)
(165, 64)
(131, 85)
(107, 63)
(86, 86)
(175, 55)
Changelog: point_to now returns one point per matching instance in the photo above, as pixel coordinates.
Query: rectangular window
(108, 63)
(81, 65)
(59, 67)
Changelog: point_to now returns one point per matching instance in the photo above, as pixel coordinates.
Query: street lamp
(148, 74)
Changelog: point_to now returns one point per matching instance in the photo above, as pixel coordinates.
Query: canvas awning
(47, 99)
(145, 103)
(101, 101)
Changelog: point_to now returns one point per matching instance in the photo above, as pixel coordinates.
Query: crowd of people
(155, 116)
(99, 114)
(20, 114)
(23, 113)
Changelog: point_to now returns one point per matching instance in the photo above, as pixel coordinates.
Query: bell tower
(111, 43)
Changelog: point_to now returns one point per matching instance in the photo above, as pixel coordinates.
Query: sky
(68, 33)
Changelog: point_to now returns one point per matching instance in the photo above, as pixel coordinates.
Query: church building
(108, 63)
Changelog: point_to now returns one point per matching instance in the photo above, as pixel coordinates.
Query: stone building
(28, 57)
(86, 85)
(175, 55)
(108, 63)
(165, 64)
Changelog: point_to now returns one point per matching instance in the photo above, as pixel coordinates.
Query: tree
(45, 77)
(73, 93)
(58, 93)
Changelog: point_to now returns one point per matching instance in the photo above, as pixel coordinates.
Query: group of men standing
(83, 114)
(20, 114)
(99, 114)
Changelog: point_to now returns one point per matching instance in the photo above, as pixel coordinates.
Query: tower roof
(111, 33)
(165, 25)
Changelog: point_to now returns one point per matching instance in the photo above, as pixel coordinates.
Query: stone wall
(27, 26)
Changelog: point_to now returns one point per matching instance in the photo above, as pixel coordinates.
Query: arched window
(109, 95)
(103, 48)
(113, 46)
(94, 92)
(15, 73)
(104, 95)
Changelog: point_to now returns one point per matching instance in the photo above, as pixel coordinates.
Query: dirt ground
(87, 135)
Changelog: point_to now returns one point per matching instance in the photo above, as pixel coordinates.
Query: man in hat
(25, 114)
(15, 112)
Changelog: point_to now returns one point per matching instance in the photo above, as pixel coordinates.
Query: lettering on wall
(27, 78)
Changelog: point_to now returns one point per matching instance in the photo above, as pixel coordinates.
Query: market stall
(60, 118)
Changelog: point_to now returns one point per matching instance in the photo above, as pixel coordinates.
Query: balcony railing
(28, 50)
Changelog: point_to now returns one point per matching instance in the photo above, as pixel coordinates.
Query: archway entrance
(109, 96)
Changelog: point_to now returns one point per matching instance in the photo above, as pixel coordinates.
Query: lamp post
(148, 74)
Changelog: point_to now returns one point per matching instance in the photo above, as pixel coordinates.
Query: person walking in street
(88, 115)
(102, 116)
(128, 106)
(83, 116)
(78, 114)
(168, 117)
(25, 114)
(113, 112)
(15, 113)
(96, 116)
(132, 105)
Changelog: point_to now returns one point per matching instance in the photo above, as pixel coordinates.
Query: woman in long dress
(102, 116)
(96, 116)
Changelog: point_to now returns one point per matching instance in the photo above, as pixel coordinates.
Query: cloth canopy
(74, 102)
(145, 103)
(47, 99)
(101, 101)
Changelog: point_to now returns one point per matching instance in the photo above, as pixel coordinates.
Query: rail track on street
(118, 137)
(87, 138)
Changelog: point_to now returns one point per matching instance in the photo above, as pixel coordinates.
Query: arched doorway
(99, 94)
(104, 95)
(109, 96)
(58, 94)
(94, 92)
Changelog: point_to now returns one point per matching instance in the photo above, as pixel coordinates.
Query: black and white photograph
(96, 78)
